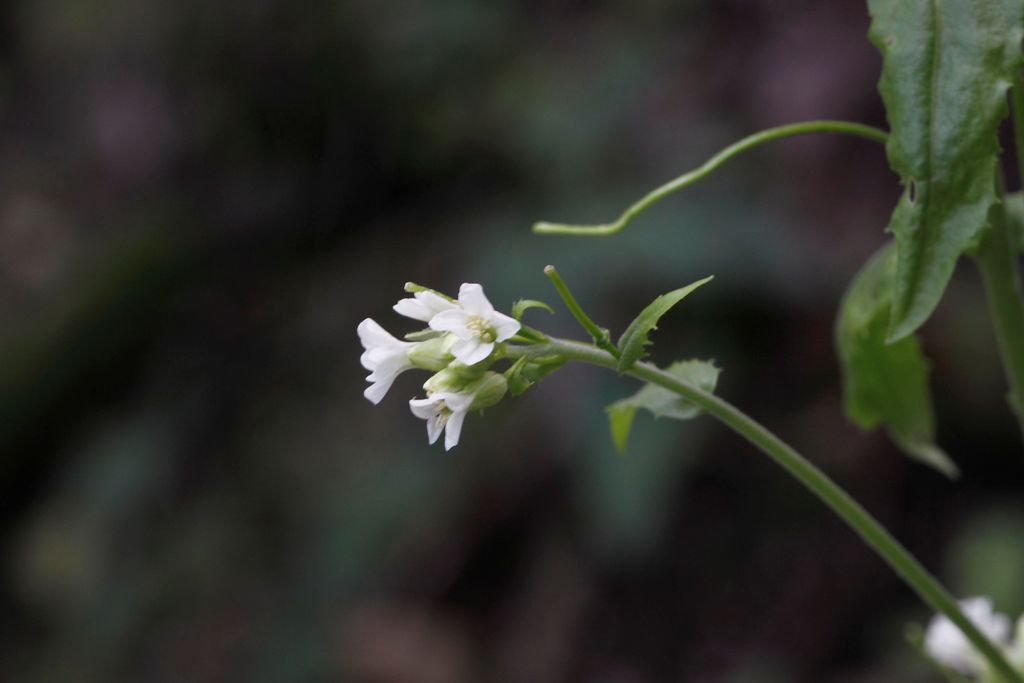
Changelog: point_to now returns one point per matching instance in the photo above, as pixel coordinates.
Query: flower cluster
(458, 345)
(948, 646)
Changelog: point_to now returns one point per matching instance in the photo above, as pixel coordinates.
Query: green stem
(873, 533)
(997, 260)
(600, 334)
(709, 166)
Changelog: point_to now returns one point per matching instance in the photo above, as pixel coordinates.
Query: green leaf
(947, 67)
(520, 307)
(660, 401)
(885, 383)
(634, 339)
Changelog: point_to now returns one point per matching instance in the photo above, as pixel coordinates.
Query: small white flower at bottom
(444, 411)
(947, 644)
(477, 325)
(385, 357)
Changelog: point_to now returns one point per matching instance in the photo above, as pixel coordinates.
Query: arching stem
(830, 493)
(708, 167)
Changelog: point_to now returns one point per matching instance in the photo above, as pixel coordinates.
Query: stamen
(484, 331)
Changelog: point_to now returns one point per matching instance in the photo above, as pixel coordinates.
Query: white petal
(371, 358)
(411, 308)
(458, 402)
(435, 302)
(423, 408)
(386, 374)
(504, 326)
(434, 429)
(471, 351)
(472, 298)
(464, 347)
(944, 642)
(947, 644)
(994, 625)
(453, 321)
(483, 350)
(385, 364)
(372, 336)
(375, 392)
(453, 430)
(423, 306)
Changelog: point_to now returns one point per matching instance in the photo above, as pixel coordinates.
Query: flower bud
(432, 354)
(455, 377)
(486, 387)
(489, 390)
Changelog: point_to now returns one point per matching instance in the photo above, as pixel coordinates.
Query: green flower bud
(489, 390)
(432, 354)
(486, 387)
(455, 377)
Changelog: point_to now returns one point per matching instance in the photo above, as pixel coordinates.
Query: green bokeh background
(199, 201)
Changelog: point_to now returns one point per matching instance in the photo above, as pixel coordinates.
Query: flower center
(441, 414)
(482, 329)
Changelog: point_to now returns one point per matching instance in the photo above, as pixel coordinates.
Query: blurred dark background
(200, 200)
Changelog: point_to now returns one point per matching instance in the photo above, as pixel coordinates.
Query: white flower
(452, 393)
(424, 306)
(476, 324)
(385, 357)
(947, 644)
(444, 411)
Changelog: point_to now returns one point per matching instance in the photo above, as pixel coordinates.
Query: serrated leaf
(947, 67)
(885, 383)
(660, 401)
(634, 339)
(522, 305)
